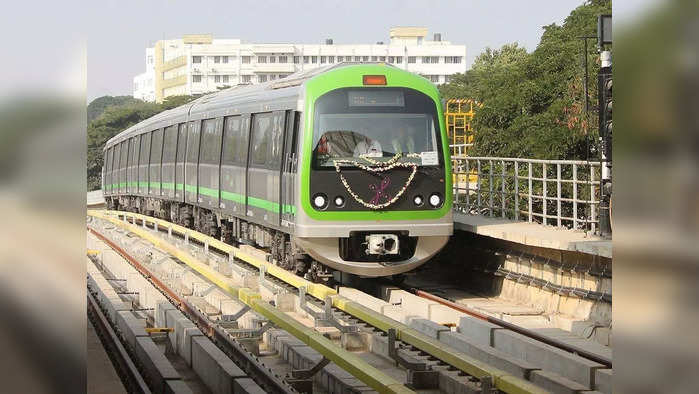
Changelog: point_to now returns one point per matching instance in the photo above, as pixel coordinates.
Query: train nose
(381, 244)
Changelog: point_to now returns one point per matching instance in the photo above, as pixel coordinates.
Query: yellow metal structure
(353, 364)
(458, 115)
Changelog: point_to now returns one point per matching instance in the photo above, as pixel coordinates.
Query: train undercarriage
(231, 230)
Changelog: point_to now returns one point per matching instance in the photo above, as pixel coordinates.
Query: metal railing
(459, 149)
(562, 193)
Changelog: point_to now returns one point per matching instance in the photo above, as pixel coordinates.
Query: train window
(115, 164)
(235, 140)
(124, 153)
(193, 142)
(133, 152)
(156, 147)
(182, 142)
(145, 149)
(262, 125)
(170, 144)
(210, 142)
(276, 139)
(108, 161)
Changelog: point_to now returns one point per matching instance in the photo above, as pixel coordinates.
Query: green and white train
(344, 168)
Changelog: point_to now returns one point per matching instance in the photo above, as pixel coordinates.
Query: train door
(107, 188)
(180, 159)
(143, 162)
(190, 168)
(209, 162)
(234, 158)
(288, 194)
(122, 165)
(156, 156)
(132, 171)
(264, 163)
(169, 151)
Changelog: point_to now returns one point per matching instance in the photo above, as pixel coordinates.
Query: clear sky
(119, 31)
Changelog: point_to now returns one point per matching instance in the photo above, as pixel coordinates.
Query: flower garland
(379, 166)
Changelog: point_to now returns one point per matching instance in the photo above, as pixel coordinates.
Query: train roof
(286, 88)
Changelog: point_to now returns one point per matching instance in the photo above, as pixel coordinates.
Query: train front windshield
(355, 124)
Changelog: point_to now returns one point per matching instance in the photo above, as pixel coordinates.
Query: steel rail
(124, 364)
(501, 379)
(521, 330)
(243, 358)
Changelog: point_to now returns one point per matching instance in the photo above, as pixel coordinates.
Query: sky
(119, 31)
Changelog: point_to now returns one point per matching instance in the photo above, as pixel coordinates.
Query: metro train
(344, 168)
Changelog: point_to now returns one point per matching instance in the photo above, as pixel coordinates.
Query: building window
(382, 58)
(225, 79)
(306, 59)
(433, 78)
(323, 59)
(374, 58)
(272, 59)
(331, 59)
(430, 59)
(357, 58)
(196, 59)
(391, 59)
(314, 59)
(196, 78)
(447, 78)
(412, 59)
(262, 59)
(340, 59)
(262, 78)
(245, 59)
(272, 77)
(245, 78)
(217, 78)
(297, 59)
(283, 59)
(217, 59)
(365, 58)
(224, 59)
(399, 59)
(457, 59)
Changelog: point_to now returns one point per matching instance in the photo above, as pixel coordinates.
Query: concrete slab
(477, 330)
(156, 366)
(533, 234)
(131, 327)
(177, 387)
(373, 303)
(161, 309)
(428, 327)
(547, 357)
(487, 354)
(213, 367)
(246, 386)
(603, 380)
(556, 383)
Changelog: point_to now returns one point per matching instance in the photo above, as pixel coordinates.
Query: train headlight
(418, 200)
(320, 201)
(435, 200)
(339, 201)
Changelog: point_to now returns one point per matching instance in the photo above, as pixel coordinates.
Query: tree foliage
(533, 103)
(116, 114)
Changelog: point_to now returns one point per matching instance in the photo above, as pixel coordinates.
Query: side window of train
(115, 163)
(133, 153)
(124, 154)
(292, 127)
(181, 142)
(235, 141)
(156, 147)
(170, 144)
(261, 130)
(193, 142)
(145, 149)
(276, 140)
(210, 142)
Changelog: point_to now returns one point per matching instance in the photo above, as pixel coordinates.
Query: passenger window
(124, 153)
(170, 144)
(182, 142)
(133, 152)
(117, 152)
(156, 147)
(262, 125)
(235, 141)
(210, 142)
(145, 148)
(193, 143)
(276, 139)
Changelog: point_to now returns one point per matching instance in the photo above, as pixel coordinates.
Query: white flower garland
(379, 166)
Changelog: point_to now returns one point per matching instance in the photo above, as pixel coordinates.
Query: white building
(199, 64)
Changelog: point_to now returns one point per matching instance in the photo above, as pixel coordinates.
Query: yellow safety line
(350, 362)
(501, 379)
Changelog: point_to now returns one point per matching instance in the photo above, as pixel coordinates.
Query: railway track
(408, 354)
